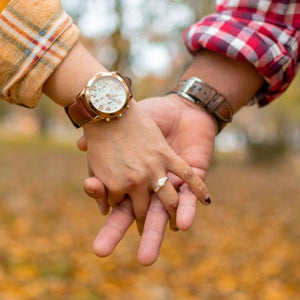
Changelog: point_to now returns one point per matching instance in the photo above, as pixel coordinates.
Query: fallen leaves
(245, 246)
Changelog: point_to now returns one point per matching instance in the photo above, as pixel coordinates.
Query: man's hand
(190, 131)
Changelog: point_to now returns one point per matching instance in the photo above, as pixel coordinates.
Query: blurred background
(245, 246)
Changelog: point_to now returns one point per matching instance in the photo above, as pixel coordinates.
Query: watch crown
(107, 119)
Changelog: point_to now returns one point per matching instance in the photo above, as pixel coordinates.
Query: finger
(186, 208)
(115, 198)
(153, 234)
(103, 206)
(114, 229)
(175, 180)
(81, 143)
(169, 198)
(95, 189)
(186, 173)
(140, 203)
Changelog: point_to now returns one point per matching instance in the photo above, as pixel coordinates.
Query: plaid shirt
(35, 36)
(265, 33)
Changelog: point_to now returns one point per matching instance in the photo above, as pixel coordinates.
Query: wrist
(198, 92)
(128, 115)
(183, 104)
(71, 76)
(238, 81)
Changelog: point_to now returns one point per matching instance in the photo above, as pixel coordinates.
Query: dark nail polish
(207, 200)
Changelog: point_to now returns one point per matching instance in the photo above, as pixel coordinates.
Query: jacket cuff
(34, 37)
(272, 49)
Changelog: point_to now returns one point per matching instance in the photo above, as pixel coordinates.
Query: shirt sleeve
(3, 4)
(264, 33)
(35, 36)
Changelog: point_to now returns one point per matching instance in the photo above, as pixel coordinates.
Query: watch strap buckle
(197, 91)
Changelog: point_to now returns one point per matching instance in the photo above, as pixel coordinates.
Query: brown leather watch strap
(197, 91)
(78, 113)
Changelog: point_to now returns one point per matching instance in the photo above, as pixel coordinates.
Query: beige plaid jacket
(35, 36)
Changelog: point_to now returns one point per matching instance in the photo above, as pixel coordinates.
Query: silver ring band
(161, 182)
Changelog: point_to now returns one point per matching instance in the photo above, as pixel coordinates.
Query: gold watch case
(86, 96)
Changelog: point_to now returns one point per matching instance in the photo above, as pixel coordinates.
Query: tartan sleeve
(264, 33)
(35, 36)
(3, 4)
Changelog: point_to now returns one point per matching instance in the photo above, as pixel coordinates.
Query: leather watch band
(79, 113)
(197, 91)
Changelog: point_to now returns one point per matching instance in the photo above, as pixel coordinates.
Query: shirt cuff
(272, 49)
(35, 36)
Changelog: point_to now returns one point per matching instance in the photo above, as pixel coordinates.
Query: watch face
(108, 94)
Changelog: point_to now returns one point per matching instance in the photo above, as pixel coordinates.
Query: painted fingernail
(207, 199)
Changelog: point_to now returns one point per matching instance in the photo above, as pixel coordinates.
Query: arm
(129, 154)
(264, 34)
(34, 38)
(236, 78)
(191, 132)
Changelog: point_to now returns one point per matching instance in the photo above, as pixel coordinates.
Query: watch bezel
(100, 114)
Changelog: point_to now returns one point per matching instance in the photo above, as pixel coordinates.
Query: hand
(119, 221)
(129, 155)
(191, 132)
(187, 127)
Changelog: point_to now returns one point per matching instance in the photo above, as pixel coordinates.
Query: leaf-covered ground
(245, 246)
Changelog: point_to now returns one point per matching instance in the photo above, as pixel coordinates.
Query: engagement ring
(161, 182)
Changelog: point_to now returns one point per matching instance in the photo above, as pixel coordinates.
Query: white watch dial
(108, 94)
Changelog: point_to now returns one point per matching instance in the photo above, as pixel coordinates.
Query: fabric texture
(35, 36)
(3, 4)
(264, 33)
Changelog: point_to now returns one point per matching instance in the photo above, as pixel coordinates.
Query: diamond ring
(161, 182)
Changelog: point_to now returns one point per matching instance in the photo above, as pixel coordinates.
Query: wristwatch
(105, 97)
(199, 92)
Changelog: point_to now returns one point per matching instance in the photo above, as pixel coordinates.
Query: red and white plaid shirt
(265, 33)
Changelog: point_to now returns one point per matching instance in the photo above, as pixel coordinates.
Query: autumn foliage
(243, 247)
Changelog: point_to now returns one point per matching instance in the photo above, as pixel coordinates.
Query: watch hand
(112, 98)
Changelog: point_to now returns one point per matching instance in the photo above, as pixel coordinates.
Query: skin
(128, 155)
(191, 132)
(122, 216)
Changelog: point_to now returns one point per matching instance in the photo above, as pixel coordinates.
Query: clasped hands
(126, 158)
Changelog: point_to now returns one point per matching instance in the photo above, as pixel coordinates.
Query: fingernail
(90, 191)
(207, 199)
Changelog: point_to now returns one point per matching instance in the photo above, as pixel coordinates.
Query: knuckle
(157, 209)
(188, 173)
(115, 186)
(172, 205)
(134, 179)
